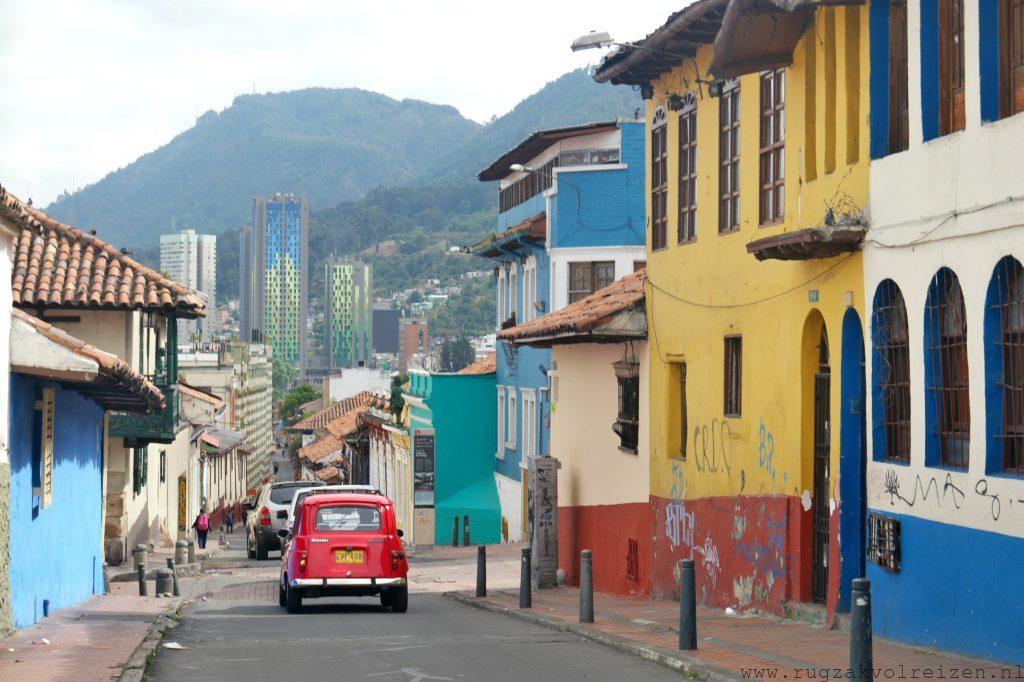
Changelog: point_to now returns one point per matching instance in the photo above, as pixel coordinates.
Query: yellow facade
(701, 292)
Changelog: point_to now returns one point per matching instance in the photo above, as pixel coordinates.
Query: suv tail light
(396, 558)
(264, 517)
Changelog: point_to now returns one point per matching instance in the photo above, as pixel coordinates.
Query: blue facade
(56, 552)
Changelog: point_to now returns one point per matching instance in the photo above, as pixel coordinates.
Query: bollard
(170, 563)
(455, 531)
(140, 555)
(586, 588)
(142, 580)
(481, 570)
(861, 658)
(174, 578)
(46, 608)
(525, 581)
(180, 552)
(164, 581)
(687, 606)
(191, 551)
(465, 531)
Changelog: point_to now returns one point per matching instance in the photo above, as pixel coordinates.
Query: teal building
(452, 428)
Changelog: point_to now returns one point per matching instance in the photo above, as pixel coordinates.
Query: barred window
(773, 145)
(946, 370)
(733, 375)
(1006, 298)
(891, 374)
(729, 158)
(686, 230)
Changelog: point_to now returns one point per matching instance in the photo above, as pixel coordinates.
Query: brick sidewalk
(453, 569)
(90, 641)
(727, 645)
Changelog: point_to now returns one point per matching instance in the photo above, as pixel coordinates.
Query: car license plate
(348, 556)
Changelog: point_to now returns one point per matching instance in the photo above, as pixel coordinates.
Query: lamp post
(596, 40)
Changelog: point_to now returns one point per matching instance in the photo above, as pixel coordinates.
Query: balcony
(139, 430)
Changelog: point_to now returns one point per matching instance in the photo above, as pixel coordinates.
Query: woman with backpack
(202, 526)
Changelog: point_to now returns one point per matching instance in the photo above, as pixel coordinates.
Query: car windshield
(283, 494)
(347, 518)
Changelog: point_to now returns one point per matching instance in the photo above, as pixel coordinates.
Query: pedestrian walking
(202, 526)
(229, 521)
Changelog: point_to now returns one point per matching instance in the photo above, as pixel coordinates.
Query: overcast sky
(90, 85)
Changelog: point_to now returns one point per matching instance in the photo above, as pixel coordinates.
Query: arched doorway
(852, 457)
(822, 430)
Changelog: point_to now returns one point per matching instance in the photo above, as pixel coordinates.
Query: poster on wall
(182, 503)
(423, 467)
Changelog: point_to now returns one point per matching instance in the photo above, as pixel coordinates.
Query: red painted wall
(606, 531)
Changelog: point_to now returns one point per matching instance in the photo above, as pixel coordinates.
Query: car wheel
(293, 600)
(282, 595)
(400, 600)
(249, 551)
(385, 598)
(261, 550)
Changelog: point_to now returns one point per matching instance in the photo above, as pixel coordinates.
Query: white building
(945, 350)
(191, 259)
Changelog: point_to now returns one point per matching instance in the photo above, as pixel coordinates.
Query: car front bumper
(348, 582)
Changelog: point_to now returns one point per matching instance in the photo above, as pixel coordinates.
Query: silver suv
(269, 514)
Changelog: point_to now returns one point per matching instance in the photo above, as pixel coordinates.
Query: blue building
(571, 220)
(60, 388)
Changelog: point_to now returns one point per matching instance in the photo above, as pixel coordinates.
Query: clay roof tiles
(321, 419)
(59, 266)
(487, 365)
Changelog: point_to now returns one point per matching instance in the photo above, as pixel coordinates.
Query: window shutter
(46, 449)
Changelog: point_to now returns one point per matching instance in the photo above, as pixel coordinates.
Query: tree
(456, 354)
(292, 404)
(284, 374)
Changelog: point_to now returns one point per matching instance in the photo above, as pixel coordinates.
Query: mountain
(329, 145)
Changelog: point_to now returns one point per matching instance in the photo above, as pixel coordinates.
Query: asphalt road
(285, 470)
(244, 635)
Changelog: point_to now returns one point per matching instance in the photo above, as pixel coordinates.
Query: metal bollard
(170, 563)
(455, 531)
(142, 580)
(140, 555)
(465, 531)
(687, 606)
(861, 658)
(164, 581)
(191, 551)
(481, 571)
(586, 588)
(525, 581)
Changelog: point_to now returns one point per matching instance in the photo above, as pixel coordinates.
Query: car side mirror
(283, 533)
(399, 533)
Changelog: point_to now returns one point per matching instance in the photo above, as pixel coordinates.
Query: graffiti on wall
(766, 450)
(947, 495)
(712, 444)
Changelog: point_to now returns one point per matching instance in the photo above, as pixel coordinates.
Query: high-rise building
(413, 340)
(348, 319)
(273, 276)
(385, 328)
(191, 259)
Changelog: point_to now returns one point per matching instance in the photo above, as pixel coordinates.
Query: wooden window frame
(891, 344)
(952, 104)
(729, 158)
(659, 181)
(594, 280)
(686, 227)
(733, 376)
(1011, 57)
(899, 97)
(772, 155)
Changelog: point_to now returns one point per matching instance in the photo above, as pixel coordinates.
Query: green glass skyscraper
(348, 318)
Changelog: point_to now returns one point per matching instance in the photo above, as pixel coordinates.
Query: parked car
(268, 515)
(344, 544)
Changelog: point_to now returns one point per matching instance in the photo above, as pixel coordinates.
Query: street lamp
(596, 40)
(520, 168)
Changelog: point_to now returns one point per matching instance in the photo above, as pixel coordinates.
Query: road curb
(135, 668)
(685, 665)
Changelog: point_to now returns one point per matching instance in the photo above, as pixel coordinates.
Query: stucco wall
(6, 616)
(55, 551)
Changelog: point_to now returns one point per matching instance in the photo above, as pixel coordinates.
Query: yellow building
(757, 179)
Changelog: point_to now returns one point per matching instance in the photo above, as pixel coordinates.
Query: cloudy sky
(90, 85)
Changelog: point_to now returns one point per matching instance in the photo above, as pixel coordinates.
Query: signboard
(182, 504)
(542, 517)
(423, 467)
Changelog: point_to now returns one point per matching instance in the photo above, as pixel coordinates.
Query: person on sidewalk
(229, 521)
(202, 526)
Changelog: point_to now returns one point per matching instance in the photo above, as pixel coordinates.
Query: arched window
(948, 413)
(890, 375)
(1004, 361)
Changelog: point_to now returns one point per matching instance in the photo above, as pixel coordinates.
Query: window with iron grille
(1006, 299)
(659, 181)
(891, 374)
(686, 230)
(733, 375)
(627, 424)
(586, 277)
(946, 373)
(899, 118)
(951, 66)
(1011, 57)
(773, 145)
(684, 426)
(884, 542)
(632, 560)
(729, 157)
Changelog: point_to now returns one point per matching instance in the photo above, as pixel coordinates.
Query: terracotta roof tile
(347, 423)
(59, 266)
(584, 315)
(320, 448)
(535, 228)
(488, 365)
(328, 474)
(321, 419)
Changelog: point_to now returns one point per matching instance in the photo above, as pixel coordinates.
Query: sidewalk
(729, 647)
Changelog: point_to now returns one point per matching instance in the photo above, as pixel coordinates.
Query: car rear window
(347, 518)
(283, 494)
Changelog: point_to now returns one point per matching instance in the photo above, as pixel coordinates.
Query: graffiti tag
(766, 450)
(678, 524)
(713, 444)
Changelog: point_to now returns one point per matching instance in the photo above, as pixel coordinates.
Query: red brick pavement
(738, 643)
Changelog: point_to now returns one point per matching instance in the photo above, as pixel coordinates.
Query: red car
(344, 545)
